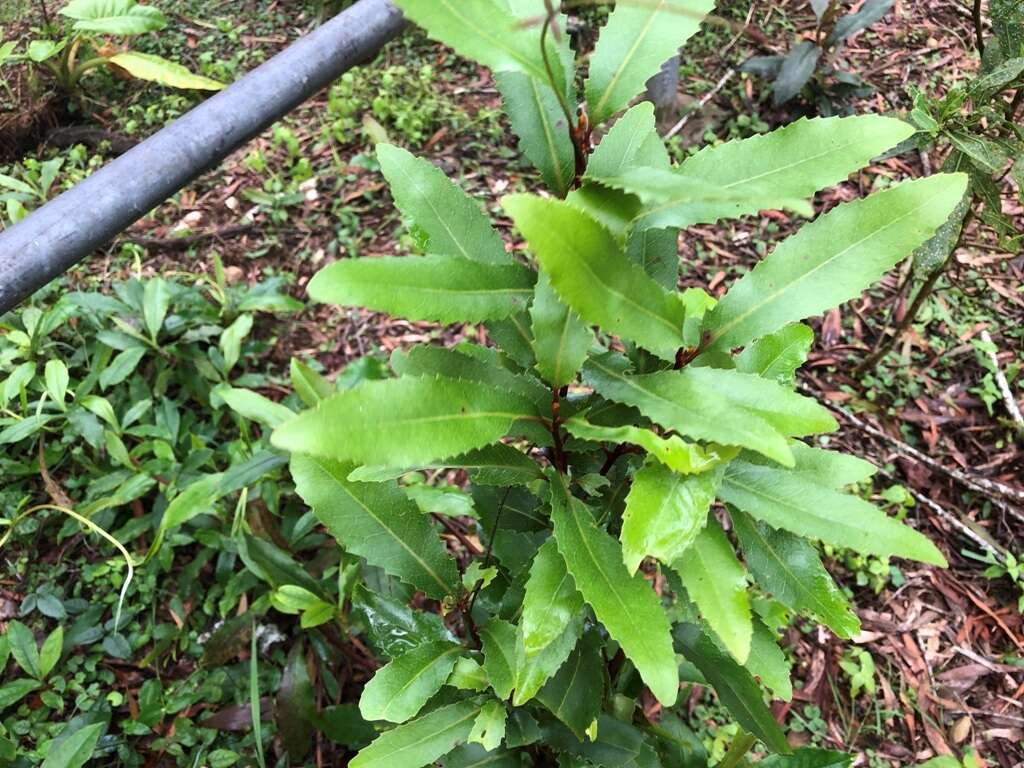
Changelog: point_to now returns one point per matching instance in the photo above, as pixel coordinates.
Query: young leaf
(735, 687)
(197, 498)
(499, 641)
(788, 568)
(789, 500)
(443, 289)
(665, 512)
(378, 522)
(156, 69)
(794, 161)
(574, 695)
(715, 404)
(626, 605)
(156, 300)
(56, 377)
(633, 45)
(674, 452)
(870, 12)
(76, 750)
(483, 30)
(561, 341)
(551, 600)
(399, 690)
(537, 119)
(590, 273)
(633, 141)
(422, 741)
(453, 221)
(777, 355)
(717, 582)
(834, 258)
(403, 422)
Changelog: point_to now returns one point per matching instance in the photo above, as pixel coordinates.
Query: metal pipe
(66, 230)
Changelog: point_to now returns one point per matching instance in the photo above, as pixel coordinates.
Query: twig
(998, 492)
(187, 241)
(1004, 385)
(700, 104)
(979, 34)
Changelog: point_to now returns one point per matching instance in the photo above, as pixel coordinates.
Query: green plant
(975, 124)
(598, 433)
(68, 57)
(34, 188)
(812, 68)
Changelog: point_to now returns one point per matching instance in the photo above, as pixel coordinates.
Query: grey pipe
(66, 230)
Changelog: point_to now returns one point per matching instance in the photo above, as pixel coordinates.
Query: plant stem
(979, 32)
(556, 432)
(741, 744)
(47, 21)
(579, 151)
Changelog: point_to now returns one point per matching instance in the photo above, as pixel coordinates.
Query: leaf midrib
(627, 60)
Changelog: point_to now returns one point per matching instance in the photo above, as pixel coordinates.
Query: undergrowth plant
(89, 44)
(642, 479)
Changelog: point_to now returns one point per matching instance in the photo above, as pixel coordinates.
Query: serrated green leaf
(482, 30)
(404, 422)
(499, 641)
(789, 568)
(834, 258)
(665, 512)
(399, 689)
(378, 522)
(443, 289)
(421, 741)
(673, 200)
(794, 161)
(156, 69)
(777, 355)
(551, 600)
(626, 605)
(533, 671)
(633, 141)
(575, 694)
(497, 464)
(789, 500)
(489, 727)
(830, 468)
(633, 45)
(657, 252)
(537, 119)
(453, 221)
(768, 663)
(591, 274)
(561, 340)
(514, 337)
(735, 687)
(674, 452)
(613, 209)
(719, 405)
(468, 675)
(717, 582)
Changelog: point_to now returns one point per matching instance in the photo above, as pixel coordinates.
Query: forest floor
(939, 665)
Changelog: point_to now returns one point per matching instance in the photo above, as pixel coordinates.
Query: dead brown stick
(187, 241)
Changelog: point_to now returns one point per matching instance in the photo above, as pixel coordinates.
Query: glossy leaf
(561, 341)
(444, 289)
(735, 687)
(834, 258)
(633, 45)
(719, 405)
(717, 582)
(591, 274)
(674, 452)
(403, 422)
(533, 671)
(575, 694)
(794, 161)
(791, 501)
(665, 512)
(399, 689)
(453, 222)
(657, 252)
(626, 605)
(421, 741)
(789, 569)
(378, 522)
(499, 641)
(551, 600)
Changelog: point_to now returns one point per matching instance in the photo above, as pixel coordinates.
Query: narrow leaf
(443, 289)
(499, 641)
(422, 741)
(561, 341)
(497, 464)
(575, 694)
(834, 258)
(147, 66)
(399, 690)
(626, 605)
(551, 600)
(534, 671)
(674, 452)
(777, 355)
(633, 141)
(376, 521)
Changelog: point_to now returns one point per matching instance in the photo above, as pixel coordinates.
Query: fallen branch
(1003, 384)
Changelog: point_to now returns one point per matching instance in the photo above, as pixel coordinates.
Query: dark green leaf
(575, 694)
(400, 689)
(421, 741)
